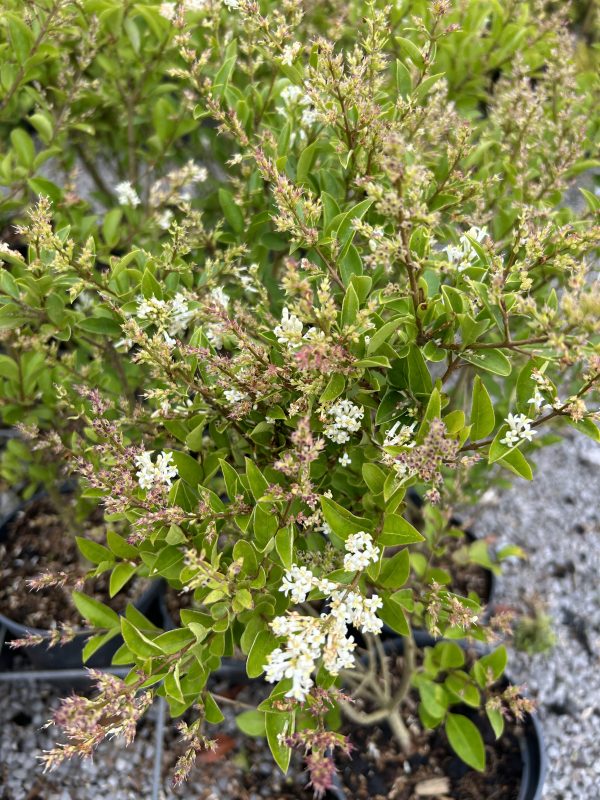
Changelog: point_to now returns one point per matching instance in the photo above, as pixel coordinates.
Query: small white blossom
(167, 10)
(219, 297)
(215, 332)
(297, 582)
(401, 437)
(290, 51)
(345, 460)
(234, 396)
(347, 418)
(519, 428)
(309, 116)
(149, 474)
(289, 331)
(361, 551)
(127, 195)
(463, 254)
(165, 219)
(231, 4)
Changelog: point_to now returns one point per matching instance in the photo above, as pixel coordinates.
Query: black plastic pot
(530, 736)
(68, 656)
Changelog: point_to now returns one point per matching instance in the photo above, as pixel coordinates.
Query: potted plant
(386, 295)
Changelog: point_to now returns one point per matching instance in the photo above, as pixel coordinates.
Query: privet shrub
(325, 260)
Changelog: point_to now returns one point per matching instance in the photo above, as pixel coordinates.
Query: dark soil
(380, 771)
(174, 601)
(241, 767)
(36, 541)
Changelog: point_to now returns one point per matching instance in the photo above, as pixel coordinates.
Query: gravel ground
(556, 519)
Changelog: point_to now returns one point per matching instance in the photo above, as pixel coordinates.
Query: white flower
(215, 332)
(538, 400)
(361, 551)
(290, 94)
(127, 195)
(519, 428)
(196, 173)
(289, 331)
(170, 316)
(346, 420)
(165, 219)
(345, 460)
(354, 609)
(167, 10)
(231, 4)
(309, 116)
(297, 581)
(234, 396)
(290, 51)
(149, 474)
(463, 254)
(400, 438)
(220, 297)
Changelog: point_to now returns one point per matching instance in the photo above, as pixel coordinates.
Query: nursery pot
(529, 736)
(69, 655)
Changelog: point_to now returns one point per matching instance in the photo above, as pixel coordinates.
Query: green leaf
(119, 546)
(466, 741)
(278, 724)
(411, 49)
(394, 571)
(252, 723)
(110, 226)
(350, 307)
(483, 418)
(212, 712)
(392, 614)
(99, 615)
(341, 521)
(263, 645)
(258, 483)
(140, 645)
(284, 544)
(333, 390)
(496, 721)
(398, 531)
(120, 575)
(187, 467)
(516, 462)
(418, 373)
(94, 552)
(23, 146)
(231, 210)
(306, 161)
(491, 360)
(374, 477)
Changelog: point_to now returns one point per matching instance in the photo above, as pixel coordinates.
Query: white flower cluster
(346, 420)
(150, 474)
(170, 316)
(309, 639)
(234, 396)
(400, 436)
(298, 582)
(127, 195)
(361, 551)
(289, 331)
(169, 10)
(293, 95)
(463, 254)
(519, 428)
